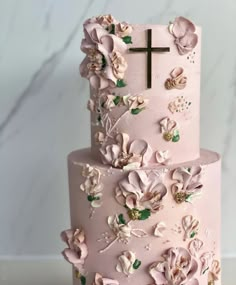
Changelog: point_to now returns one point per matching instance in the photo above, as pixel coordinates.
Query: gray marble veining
(45, 70)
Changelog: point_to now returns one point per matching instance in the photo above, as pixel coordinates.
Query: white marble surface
(43, 115)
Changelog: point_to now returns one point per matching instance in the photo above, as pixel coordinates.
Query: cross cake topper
(149, 49)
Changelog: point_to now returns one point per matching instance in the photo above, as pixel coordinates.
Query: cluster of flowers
(104, 44)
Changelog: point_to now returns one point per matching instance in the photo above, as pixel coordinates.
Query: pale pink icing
(145, 125)
(171, 214)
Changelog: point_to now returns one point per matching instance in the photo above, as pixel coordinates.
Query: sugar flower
(77, 250)
(184, 33)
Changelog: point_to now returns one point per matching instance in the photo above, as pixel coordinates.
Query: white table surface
(58, 272)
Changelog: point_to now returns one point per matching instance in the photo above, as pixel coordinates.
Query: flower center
(124, 159)
(180, 197)
(97, 60)
(168, 136)
(134, 214)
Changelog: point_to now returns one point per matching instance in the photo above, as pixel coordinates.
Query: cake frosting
(174, 94)
(144, 199)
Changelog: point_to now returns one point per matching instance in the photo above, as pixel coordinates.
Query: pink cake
(144, 199)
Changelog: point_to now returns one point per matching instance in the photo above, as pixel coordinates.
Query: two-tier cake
(144, 199)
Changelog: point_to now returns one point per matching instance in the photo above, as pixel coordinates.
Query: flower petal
(157, 271)
(83, 250)
(190, 225)
(194, 187)
(194, 246)
(72, 257)
(193, 269)
(177, 187)
(139, 233)
(96, 203)
(110, 75)
(98, 279)
(195, 170)
(96, 32)
(178, 268)
(122, 140)
(176, 72)
(132, 184)
(141, 147)
(182, 26)
(187, 43)
(182, 175)
(126, 261)
(193, 282)
(119, 196)
(110, 153)
(159, 228)
(66, 235)
(138, 147)
(162, 157)
(215, 270)
(131, 166)
(84, 72)
(206, 260)
(131, 201)
(161, 189)
(98, 82)
(107, 281)
(147, 155)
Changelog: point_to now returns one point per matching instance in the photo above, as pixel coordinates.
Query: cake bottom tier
(156, 225)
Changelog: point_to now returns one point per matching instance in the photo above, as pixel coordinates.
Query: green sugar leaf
(116, 100)
(120, 83)
(136, 111)
(205, 270)
(176, 138)
(136, 264)
(193, 234)
(121, 219)
(104, 62)
(92, 198)
(112, 29)
(127, 39)
(188, 198)
(83, 280)
(144, 214)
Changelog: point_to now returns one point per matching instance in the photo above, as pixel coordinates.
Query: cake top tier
(143, 79)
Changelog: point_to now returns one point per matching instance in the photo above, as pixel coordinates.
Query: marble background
(43, 115)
